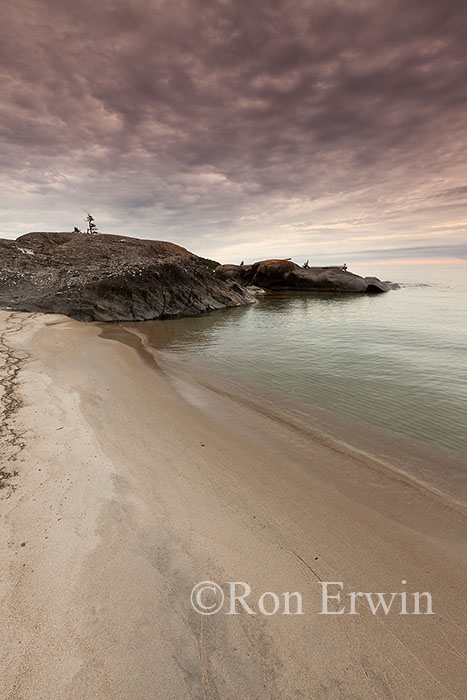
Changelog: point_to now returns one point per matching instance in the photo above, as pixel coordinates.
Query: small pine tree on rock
(92, 227)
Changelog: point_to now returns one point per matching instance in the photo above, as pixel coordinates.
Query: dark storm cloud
(225, 116)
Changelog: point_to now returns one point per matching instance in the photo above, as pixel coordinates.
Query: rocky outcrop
(109, 278)
(287, 275)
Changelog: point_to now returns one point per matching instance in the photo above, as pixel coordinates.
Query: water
(394, 363)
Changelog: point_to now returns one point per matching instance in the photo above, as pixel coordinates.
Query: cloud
(456, 192)
(210, 121)
(451, 252)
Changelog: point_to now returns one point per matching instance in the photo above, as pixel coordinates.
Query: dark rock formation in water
(287, 275)
(109, 278)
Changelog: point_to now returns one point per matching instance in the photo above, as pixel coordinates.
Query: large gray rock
(109, 278)
(285, 274)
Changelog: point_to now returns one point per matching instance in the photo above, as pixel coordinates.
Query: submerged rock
(109, 278)
(285, 274)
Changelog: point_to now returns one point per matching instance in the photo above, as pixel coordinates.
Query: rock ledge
(109, 278)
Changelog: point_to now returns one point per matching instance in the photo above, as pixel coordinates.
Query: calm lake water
(395, 362)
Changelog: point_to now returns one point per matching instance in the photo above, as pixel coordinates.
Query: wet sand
(122, 496)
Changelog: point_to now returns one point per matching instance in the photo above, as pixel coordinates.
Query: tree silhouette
(92, 227)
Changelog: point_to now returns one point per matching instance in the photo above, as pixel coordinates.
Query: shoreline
(141, 495)
(224, 400)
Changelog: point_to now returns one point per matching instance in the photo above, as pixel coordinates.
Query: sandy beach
(119, 496)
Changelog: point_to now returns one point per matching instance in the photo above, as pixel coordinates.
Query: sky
(329, 130)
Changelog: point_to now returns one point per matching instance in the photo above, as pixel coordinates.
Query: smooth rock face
(285, 274)
(109, 278)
